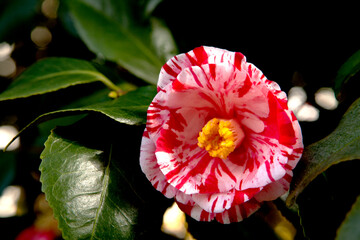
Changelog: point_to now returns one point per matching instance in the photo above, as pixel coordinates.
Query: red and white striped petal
(219, 202)
(275, 189)
(199, 86)
(216, 202)
(196, 212)
(257, 76)
(234, 214)
(194, 170)
(151, 169)
(264, 162)
(282, 102)
(298, 147)
(238, 212)
(197, 57)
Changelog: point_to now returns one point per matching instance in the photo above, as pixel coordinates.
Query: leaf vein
(103, 192)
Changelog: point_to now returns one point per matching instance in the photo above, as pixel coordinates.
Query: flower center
(220, 137)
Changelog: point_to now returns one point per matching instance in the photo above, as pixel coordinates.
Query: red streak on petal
(293, 118)
(214, 204)
(250, 70)
(213, 70)
(288, 177)
(227, 170)
(169, 70)
(279, 125)
(160, 89)
(153, 129)
(298, 150)
(245, 88)
(240, 195)
(210, 100)
(287, 134)
(167, 141)
(201, 55)
(185, 208)
(205, 216)
(165, 188)
(226, 83)
(146, 134)
(178, 86)
(239, 198)
(267, 165)
(176, 121)
(196, 78)
(176, 65)
(238, 59)
(191, 59)
(224, 204)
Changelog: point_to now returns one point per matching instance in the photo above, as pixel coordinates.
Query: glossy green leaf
(129, 109)
(53, 74)
(349, 229)
(342, 144)
(347, 70)
(119, 11)
(88, 193)
(106, 37)
(162, 39)
(92, 179)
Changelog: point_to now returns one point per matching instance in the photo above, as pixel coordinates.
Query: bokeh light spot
(5, 50)
(9, 201)
(7, 67)
(325, 98)
(41, 36)
(7, 133)
(296, 98)
(174, 222)
(49, 8)
(307, 113)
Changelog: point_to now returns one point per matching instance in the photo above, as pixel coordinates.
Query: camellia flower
(219, 137)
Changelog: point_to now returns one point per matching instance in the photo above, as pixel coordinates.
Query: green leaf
(342, 144)
(349, 229)
(119, 11)
(162, 39)
(52, 74)
(88, 193)
(105, 36)
(92, 179)
(347, 70)
(129, 109)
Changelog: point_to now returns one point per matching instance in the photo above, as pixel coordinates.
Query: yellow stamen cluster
(220, 137)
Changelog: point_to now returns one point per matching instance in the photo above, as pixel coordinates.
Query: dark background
(306, 40)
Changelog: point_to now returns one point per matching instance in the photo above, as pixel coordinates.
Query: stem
(109, 83)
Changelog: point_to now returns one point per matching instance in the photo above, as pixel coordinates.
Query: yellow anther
(220, 137)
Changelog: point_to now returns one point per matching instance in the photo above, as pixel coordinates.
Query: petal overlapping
(201, 85)
(151, 169)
